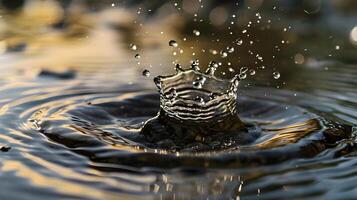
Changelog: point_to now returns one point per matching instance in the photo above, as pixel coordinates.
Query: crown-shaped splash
(199, 97)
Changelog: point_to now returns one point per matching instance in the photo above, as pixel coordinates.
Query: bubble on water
(223, 54)
(239, 42)
(173, 43)
(276, 75)
(252, 72)
(196, 32)
(230, 49)
(137, 56)
(146, 73)
(133, 47)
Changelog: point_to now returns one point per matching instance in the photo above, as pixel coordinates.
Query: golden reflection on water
(289, 134)
(62, 183)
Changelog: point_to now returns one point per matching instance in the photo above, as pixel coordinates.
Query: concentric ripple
(87, 134)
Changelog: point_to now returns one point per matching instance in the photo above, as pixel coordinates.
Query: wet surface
(73, 100)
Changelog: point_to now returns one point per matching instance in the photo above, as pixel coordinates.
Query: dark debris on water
(5, 149)
(70, 74)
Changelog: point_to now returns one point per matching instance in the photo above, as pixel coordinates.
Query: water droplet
(337, 47)
(239, 42)
(146, 73)
(133, 47)
(213, 51)
(196, 32)
(276, 75)
(252, 72)
(223, 54)
(242, 76)
(173, 43)
(243, 70)
(230, 49)
(231, 69)
(137, 56)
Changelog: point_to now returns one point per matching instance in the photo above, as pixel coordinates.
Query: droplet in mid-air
(173, 43)
(242, 76)
(196, 32)
(239, 42)
(276, 75)
(223, 54)
(252, 72)
(230, 49)
(137, 56)
(146, 73)
(243, 70)
(133, 47)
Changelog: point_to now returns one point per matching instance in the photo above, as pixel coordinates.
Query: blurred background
(91, 37)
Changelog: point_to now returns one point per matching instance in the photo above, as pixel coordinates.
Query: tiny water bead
(133, 47)
(276, 75)
(196, 32)
(137, 56)
(239, 42)
(230, 49)
(146, 73)
(223, 54)
(252, 72)
(173, 43)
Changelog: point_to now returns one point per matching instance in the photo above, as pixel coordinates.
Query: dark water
(72, 103)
